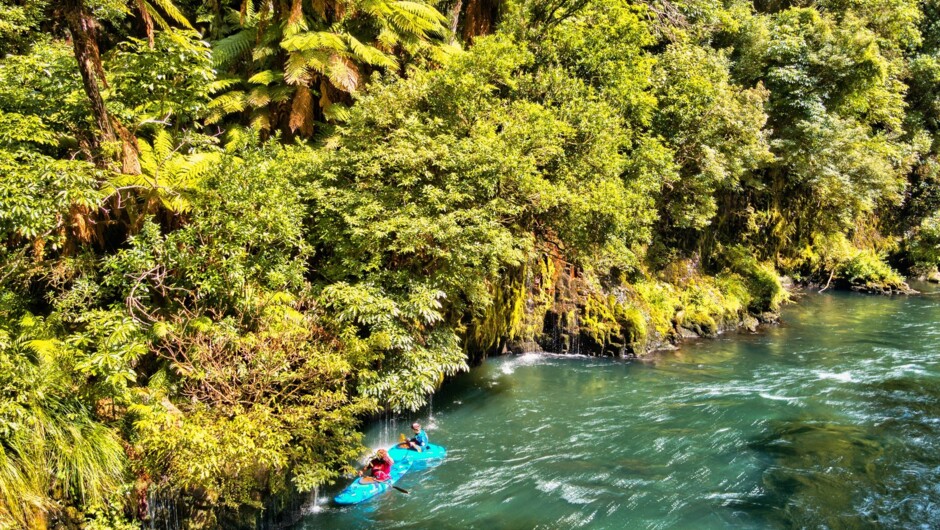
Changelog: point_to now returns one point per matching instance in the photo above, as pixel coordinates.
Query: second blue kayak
(431, 452)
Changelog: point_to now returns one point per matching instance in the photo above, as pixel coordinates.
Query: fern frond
(220, 85)
(261, 121)
(370, 54)
(343, 73)
(295, 69)
(236, 138)
(422, 11)
(259, 53)
(198, 165)
(388, 38)
(377, 8)
(337, 112)
(173, 12)
(156, 17)
(259, 97)
(226, 50)
(314, 40)
(281, 93)
(266, 77)
(406, 22)
(301, 112)
(230, 102)
(162, 146)
(233, 17)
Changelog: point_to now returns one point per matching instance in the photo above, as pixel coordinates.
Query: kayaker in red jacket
(380, 466)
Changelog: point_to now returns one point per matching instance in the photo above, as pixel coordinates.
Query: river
(830, 420)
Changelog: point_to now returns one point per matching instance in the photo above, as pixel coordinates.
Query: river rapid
(830, 420)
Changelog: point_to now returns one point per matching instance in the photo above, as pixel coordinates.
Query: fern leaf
(281, 93)
(261, 121)
(173, 12)
(220, 85)
(226, 50)
(337, 112)
(198, 165)
(343, 73)
(236, 138)
(422, 11)
(259, 53)
(314, 40)
(156, 18)
(162, 145)
(259, 97)
(266, 77)
(301, 112)
(371, 55)
(230, 102)
(295, 70)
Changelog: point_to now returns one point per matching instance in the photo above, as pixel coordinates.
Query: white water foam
(845, 377)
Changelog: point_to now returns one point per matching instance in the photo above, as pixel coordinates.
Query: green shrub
(766, 292)
(868, 269)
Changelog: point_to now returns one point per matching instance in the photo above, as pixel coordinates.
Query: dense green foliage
(232, 230)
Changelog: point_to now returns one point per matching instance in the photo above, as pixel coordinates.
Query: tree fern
(335, 46)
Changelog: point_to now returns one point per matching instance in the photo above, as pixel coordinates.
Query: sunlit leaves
(167, 82)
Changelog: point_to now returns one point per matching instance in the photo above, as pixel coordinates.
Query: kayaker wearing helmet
(380, 466)
(420, 440)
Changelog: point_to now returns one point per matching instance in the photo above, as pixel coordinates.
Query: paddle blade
(403, 490)
(401, 438)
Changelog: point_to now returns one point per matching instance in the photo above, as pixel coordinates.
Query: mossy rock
(700, 322)
(613, 325)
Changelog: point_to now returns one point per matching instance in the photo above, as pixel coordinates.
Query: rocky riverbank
(557, 307)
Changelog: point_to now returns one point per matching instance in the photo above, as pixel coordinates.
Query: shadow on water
(882, 474)
(814, 474)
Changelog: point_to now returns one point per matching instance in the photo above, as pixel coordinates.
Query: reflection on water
(831, 420)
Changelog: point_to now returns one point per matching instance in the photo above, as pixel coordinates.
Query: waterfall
(574, 335)
(528, 343)
(162, 511)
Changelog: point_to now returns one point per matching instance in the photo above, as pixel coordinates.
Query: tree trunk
(455, 20)
(84, 41)
(480, 18)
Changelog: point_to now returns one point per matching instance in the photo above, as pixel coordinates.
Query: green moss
(661, 301)
(598, 320)
(505, 315)
(634, 324)
(606, 320)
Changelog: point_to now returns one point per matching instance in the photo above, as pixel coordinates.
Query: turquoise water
(831, 420)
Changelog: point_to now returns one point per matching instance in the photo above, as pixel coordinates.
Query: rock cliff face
(566, 310)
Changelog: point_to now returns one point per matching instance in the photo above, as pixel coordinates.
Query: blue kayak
(360, 491)
(431, 452)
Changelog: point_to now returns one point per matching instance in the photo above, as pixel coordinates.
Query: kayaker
(420, 440)
(380, 466)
